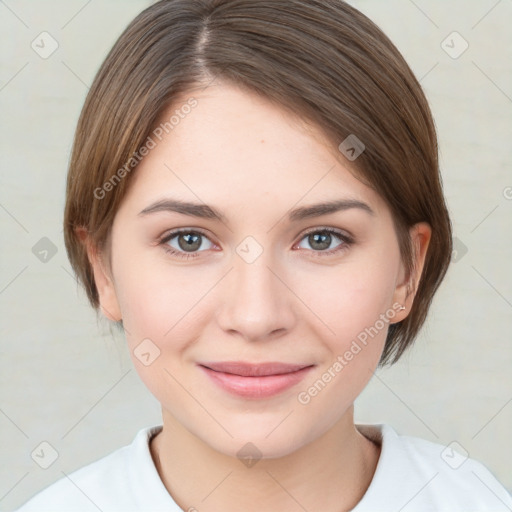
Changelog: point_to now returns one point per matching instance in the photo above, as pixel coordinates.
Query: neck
(331, 473)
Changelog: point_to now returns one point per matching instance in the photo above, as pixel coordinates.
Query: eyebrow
(207, 212)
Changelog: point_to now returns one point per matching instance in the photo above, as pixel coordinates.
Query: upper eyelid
(169, 235)
(337, 231)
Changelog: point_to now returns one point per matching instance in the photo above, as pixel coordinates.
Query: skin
(254, 162)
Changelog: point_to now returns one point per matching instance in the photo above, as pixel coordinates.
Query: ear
(406, 290)
(102, 277)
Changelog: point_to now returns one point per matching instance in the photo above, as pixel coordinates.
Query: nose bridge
(256, 303)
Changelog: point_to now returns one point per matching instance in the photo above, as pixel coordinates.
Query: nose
(256, 303)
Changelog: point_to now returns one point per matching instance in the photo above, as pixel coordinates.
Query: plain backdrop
(66, 381)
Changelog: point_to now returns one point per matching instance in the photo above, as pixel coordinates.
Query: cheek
(355, 301)
(359, 313)
(350, 297)
(160, 308)
(162, 303)
(153, 295)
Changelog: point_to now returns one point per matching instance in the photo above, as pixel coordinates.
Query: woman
(254, 197)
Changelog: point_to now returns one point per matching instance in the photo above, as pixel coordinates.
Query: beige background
(66, 381)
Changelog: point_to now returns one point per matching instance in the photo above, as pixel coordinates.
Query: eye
(184, 243)
(320, 240)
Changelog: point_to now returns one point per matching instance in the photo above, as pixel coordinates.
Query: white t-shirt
(412, 475)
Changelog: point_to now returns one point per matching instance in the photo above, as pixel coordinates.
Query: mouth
(255, 381)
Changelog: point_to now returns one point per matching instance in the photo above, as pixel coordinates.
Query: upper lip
(254, 369)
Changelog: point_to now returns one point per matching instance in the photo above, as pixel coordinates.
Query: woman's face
(263, 283)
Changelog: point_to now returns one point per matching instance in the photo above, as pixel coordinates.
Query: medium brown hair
(322, 60)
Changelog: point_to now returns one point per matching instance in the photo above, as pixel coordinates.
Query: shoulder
(84, 489)
(113, 483)
(417, 474)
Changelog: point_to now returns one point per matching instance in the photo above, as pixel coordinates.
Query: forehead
(226, 146)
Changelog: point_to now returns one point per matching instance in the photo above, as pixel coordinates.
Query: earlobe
(405, 292)
(104, 283)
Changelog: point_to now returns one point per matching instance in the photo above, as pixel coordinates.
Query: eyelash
(346, 239)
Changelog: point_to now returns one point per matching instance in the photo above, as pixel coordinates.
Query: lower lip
(256, 387)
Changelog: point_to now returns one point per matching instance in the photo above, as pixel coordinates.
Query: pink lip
(255, 380)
